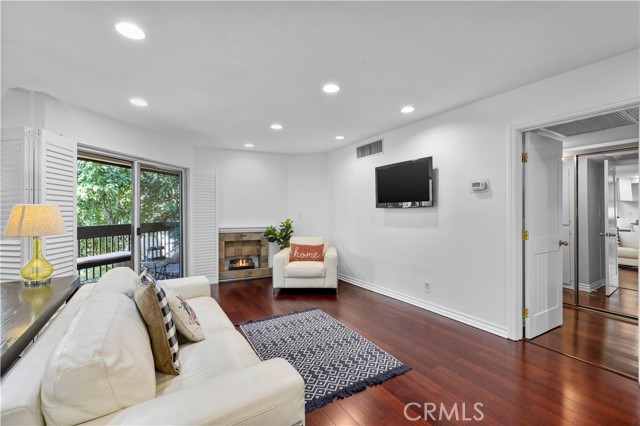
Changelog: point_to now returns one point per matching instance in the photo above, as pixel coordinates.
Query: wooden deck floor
(517, 383)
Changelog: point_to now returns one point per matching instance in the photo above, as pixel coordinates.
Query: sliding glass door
(104, 210)
(161, 222)
(129, 214)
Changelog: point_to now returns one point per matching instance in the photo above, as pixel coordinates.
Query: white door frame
(513, 240)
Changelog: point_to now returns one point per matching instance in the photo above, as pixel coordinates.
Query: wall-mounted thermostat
(479, 185)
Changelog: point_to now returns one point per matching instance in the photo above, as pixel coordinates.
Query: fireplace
(243, 254)
(241, 263)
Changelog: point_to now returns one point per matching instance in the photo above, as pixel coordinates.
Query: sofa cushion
(304, 252)
(102, 364)
(117, 280)
(154, 308)
(212, 317)
(627, 252)
(222, 352)
(305, 270)
(629, 239)
(183, 315)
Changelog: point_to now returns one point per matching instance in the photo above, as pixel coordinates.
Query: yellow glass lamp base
(38, 269)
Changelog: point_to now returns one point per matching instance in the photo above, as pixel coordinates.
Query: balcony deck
(103, 247)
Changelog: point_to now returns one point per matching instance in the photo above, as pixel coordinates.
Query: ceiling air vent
(372, 148)
(597, 123)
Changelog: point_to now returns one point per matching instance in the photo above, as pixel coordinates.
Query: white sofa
(222, 380)
(306, 274)
(628, 250)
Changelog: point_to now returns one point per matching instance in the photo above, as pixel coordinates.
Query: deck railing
(103, 247)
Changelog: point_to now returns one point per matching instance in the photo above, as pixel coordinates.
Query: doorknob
(564, 243)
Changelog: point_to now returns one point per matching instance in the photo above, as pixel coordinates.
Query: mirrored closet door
(604, 232)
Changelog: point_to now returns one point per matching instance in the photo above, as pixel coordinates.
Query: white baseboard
(441, 310)
(591, 287)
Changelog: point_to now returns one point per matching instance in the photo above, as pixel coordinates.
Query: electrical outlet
(427, 287)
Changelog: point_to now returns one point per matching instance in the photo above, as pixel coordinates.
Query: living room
(463, 246)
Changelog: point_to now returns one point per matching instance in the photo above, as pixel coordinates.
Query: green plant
(282, 235)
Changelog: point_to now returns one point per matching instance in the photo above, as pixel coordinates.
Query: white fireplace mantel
(241, 229)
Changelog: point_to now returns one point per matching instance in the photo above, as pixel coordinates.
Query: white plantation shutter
(15, 181)
(205, 227)
(37, 167)
(58, 186)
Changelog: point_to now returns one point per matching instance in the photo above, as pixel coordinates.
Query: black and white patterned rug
(333, 360)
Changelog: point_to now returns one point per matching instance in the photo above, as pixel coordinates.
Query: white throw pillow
(183, 314)
(102, 364)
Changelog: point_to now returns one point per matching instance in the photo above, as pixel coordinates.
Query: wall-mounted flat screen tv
(405, 185)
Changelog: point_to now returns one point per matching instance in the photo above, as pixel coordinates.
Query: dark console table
(25, 310)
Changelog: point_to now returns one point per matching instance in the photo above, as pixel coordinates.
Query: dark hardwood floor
(623, 301)
(517, 383)
(628, 278)
(599, 339)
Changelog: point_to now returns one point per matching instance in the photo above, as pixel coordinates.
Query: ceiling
(217, 74)
(596, 123)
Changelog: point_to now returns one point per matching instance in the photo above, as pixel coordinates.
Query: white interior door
(610, 228)
(543, 224)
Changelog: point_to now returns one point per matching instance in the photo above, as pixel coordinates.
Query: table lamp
(35, 220)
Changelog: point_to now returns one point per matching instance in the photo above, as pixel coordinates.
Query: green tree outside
(103, 194)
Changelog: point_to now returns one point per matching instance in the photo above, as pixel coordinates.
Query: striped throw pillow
(154, 307)
(169, 325)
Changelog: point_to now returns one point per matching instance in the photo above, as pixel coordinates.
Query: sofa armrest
(267, 393)
(331, 267)
(190, 287)
(280, 261)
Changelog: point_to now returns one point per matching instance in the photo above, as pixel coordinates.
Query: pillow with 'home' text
(306, 253)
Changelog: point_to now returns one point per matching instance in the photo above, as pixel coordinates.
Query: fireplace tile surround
(234, 244)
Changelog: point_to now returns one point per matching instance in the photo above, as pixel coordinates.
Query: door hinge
(525, 313)
(525, 157)
(525, 235)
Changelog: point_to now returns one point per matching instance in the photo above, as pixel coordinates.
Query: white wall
(38, 110)
(460, 244)
(258, 189)
(252, 187)
(308, 189)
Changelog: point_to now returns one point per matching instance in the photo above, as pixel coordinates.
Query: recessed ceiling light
(130, 30)
(276, 126)
(248, 145)
(339, 138)
(138, 102)
(330, 88)
(407, 109)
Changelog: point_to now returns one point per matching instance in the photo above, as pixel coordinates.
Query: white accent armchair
(306, 274)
